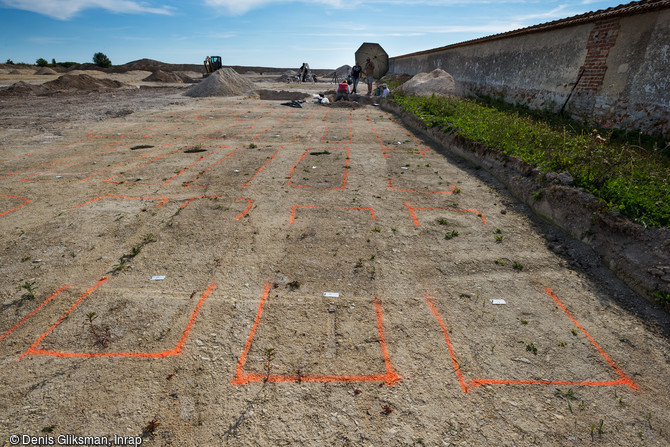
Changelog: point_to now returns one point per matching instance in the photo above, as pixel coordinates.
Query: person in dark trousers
(369, 71)
(355, 75)
(342, 91)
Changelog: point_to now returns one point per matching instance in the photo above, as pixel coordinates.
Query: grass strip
(630, 178)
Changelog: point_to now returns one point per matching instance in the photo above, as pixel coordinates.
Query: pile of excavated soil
(223, 82)
(81, 82)
(396, 78)
(46, 71)
(282, 95)
(341, 72)
(67, 82)
(23, 89)
(342, 104)
(173, 77)
(437, 82)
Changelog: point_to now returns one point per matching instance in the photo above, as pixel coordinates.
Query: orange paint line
(93, 134)
(168, 180)
(411, 211)
(621, 374)
(180, 344)
(230, 127)
(262, 167)
(330, 207)
(453, 188)
(239, 117)
(217, 115)
(391, 376)
(623, 380)
(447, 339)
(188, 184)
(302, 121)
(177, 350)
(481, 382)
(59, 159)
(163, 199)
(245, 184)
(26, 201)
(295, 138)
(416, 220)
(302, 157)
(243, 358)
(246, 378)
(65, 315)
(54, 295)
(387, 149)
(221, 197)
(326, 116)
(27, 179)
(324, 140)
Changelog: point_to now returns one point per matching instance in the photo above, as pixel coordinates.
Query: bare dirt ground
(232, 271)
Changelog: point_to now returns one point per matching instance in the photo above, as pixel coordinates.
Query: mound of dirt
(162, 76)
(23, 89)
(81, 82)
(223, 82)
(341, 72)
(437, 82)
(87, 66)
(341, 104)
(282, 95)
(46, 71)
(396, 78)
(153, 65)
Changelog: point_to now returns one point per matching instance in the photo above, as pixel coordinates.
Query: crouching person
(342, 91)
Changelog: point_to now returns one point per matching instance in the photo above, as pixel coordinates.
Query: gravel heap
(223, 82)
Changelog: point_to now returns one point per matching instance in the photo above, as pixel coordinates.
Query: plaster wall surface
(613, 72)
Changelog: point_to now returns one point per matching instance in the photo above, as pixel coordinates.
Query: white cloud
(239, 7)
(66, 9)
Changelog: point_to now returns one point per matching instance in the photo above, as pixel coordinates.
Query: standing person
(369, 72)
(355, 75)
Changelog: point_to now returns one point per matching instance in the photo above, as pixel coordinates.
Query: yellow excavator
(212, 63)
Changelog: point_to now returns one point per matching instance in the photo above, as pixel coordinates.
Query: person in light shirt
(384, 91)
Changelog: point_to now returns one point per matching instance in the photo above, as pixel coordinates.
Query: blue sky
(271, 33)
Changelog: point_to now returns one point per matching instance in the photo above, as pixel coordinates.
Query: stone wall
(610, 68)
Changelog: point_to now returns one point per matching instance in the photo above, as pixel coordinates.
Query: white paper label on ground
(498, 302)
(331, 294)
(158, 278)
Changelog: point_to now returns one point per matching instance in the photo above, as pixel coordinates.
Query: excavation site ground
(233, 271)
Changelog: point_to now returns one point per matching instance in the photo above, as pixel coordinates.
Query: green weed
(29, 288)
(629, 172)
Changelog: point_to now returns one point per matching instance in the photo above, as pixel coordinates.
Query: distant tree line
(99, 59)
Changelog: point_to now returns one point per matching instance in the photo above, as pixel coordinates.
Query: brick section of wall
(603, 37)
